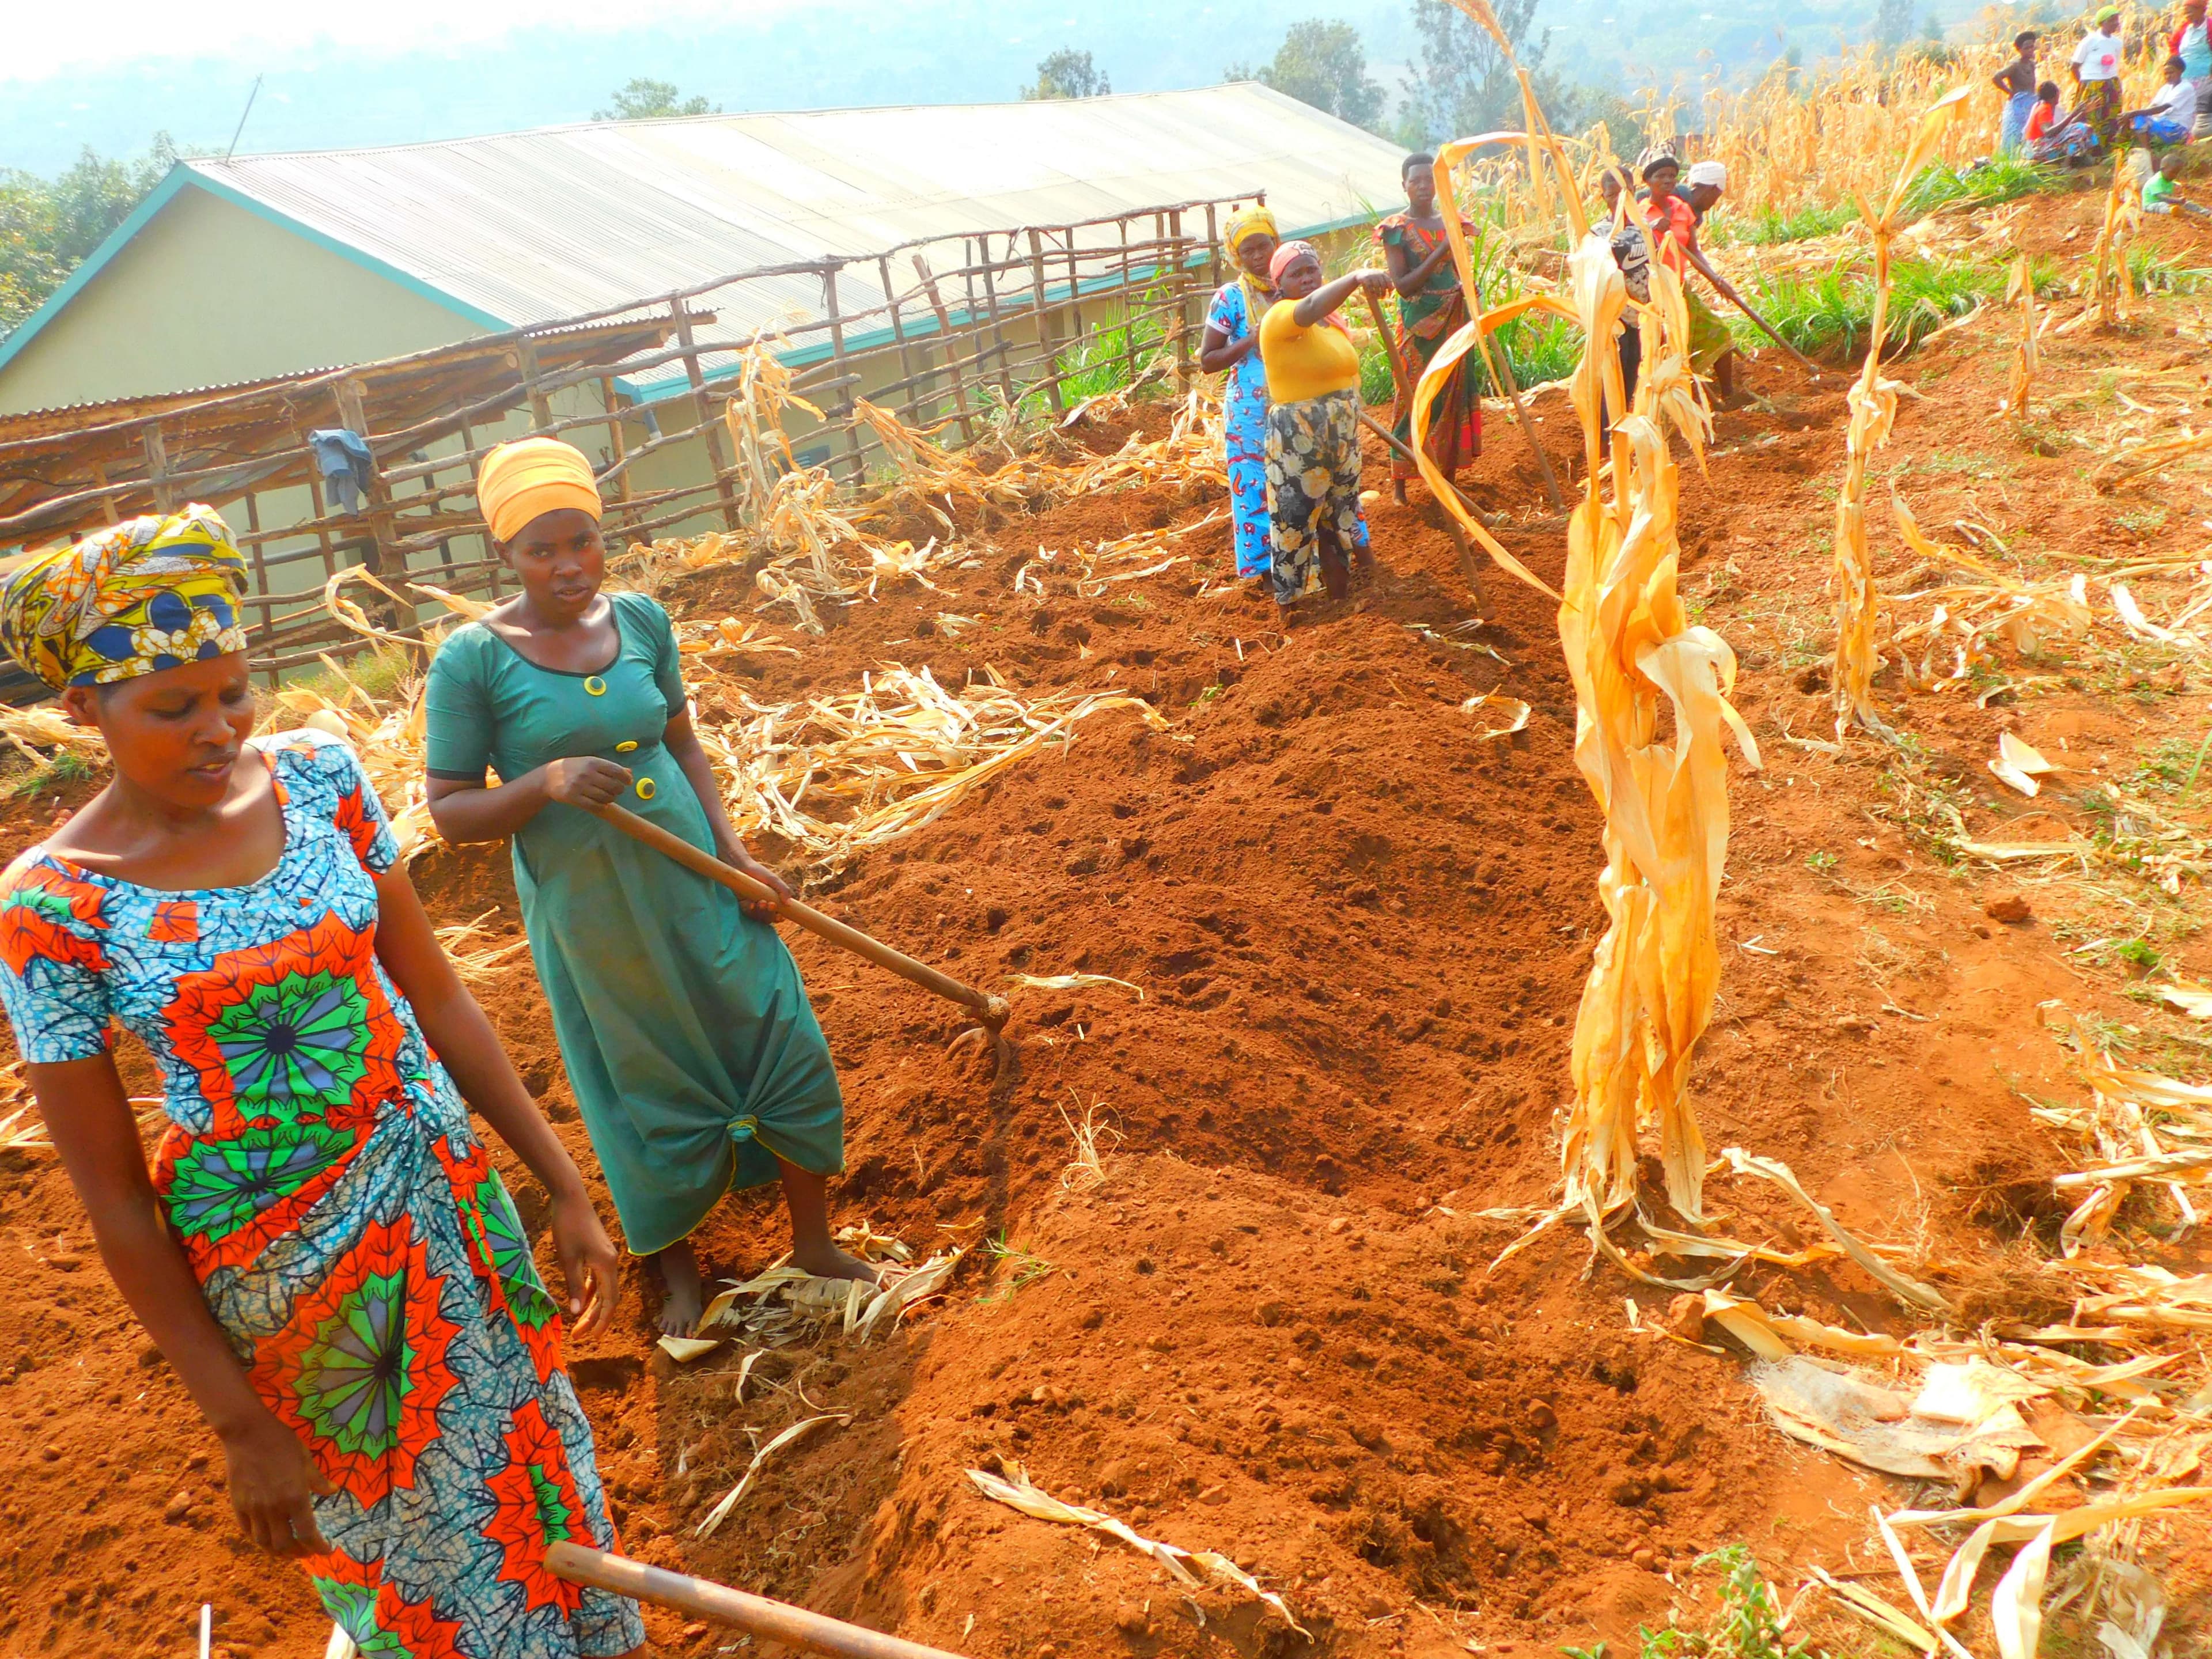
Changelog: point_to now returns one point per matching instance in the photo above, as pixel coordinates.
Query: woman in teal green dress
(695, 1057)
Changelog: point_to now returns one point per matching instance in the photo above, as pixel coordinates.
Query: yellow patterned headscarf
(1246, 223)
(141, 596)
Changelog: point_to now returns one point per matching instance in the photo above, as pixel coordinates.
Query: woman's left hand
(759, 909)
(587, 1261)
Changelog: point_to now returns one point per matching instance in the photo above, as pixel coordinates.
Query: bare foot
(825, 1261)
(685, 1297)
(1398, 491)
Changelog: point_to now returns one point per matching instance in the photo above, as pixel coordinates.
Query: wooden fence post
(859, 470)
(914, 392)
(951, 348)
(106, 501)
(615, 432)
(157, 468)
(991, 301)
(1181, 292)
(381, 559)
(526, 359)
(1044, 328)
(709, 428)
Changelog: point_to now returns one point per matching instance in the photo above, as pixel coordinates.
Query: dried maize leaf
(1906, 1290)
(2193, 1000)
(1070, 982)
(730, 1499)
(1018, 1491)
(907, 1289)
(685, 1349)
(1514, 712)
(1876, 1611)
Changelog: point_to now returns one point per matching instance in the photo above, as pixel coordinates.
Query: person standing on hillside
(2096, 67)
(697, 1061)
(1416, 248)
(1703, 186)
(2170, 116)
(1673, 229)
(1313, 426)
(2016, 81)
(323, 1250)
(1631, 251)
(1230, 346)
(2191, 42)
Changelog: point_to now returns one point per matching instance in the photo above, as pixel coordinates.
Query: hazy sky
(44, 40)
(407, 70)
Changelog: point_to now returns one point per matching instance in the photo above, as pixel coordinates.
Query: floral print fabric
(1244, 425)
(349, 1231)
(1313, 480)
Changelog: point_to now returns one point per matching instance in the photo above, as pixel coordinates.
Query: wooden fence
(962, 334)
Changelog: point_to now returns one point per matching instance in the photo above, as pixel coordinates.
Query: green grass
(1769, 225)
(1100, 362)
(377, 670)
(64, 771)
(2000, 179)
(1748, 1625)
(1831, 314)
(1024, 1267)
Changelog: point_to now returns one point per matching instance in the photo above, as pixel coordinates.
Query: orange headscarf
(518, 481)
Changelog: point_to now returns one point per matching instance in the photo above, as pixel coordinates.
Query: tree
(1068, 74)
(1324, 64)
(1893, 23)
(645, 100)
(1465, 85)
(48, 227)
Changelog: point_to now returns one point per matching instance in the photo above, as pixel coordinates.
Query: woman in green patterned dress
(694, 1055)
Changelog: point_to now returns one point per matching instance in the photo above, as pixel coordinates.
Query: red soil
(1275, 1330)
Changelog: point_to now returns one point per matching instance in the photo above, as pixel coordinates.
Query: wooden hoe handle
(770, 1621)
(990, 1010)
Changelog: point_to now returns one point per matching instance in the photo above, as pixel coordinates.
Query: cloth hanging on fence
(342, 456)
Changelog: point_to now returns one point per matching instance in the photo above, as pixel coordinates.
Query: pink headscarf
(1287, 255)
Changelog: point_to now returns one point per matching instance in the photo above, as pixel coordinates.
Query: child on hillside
(2045, 115)
(2159, 194)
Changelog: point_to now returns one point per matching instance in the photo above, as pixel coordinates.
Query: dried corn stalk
(2111, 280)
(1016, 1490)
(2020, 290)
(1630, 646)
(1873, 402)
(835, 775)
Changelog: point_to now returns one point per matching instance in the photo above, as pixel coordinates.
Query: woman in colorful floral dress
(1431, 308)
(322, 1249)
(1230, 346)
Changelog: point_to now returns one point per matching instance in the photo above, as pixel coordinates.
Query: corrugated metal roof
(533, 226)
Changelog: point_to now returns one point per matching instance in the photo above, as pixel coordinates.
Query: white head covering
(1708, 172)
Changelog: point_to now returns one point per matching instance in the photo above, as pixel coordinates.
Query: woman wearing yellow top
(1313, 425)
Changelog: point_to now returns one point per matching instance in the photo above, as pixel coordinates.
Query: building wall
(208, 293)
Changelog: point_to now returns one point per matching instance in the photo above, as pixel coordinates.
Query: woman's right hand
(585, 780)
(272, 1480)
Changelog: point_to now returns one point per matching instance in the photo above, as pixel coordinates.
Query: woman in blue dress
(1231, 346)
(322, 1249)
